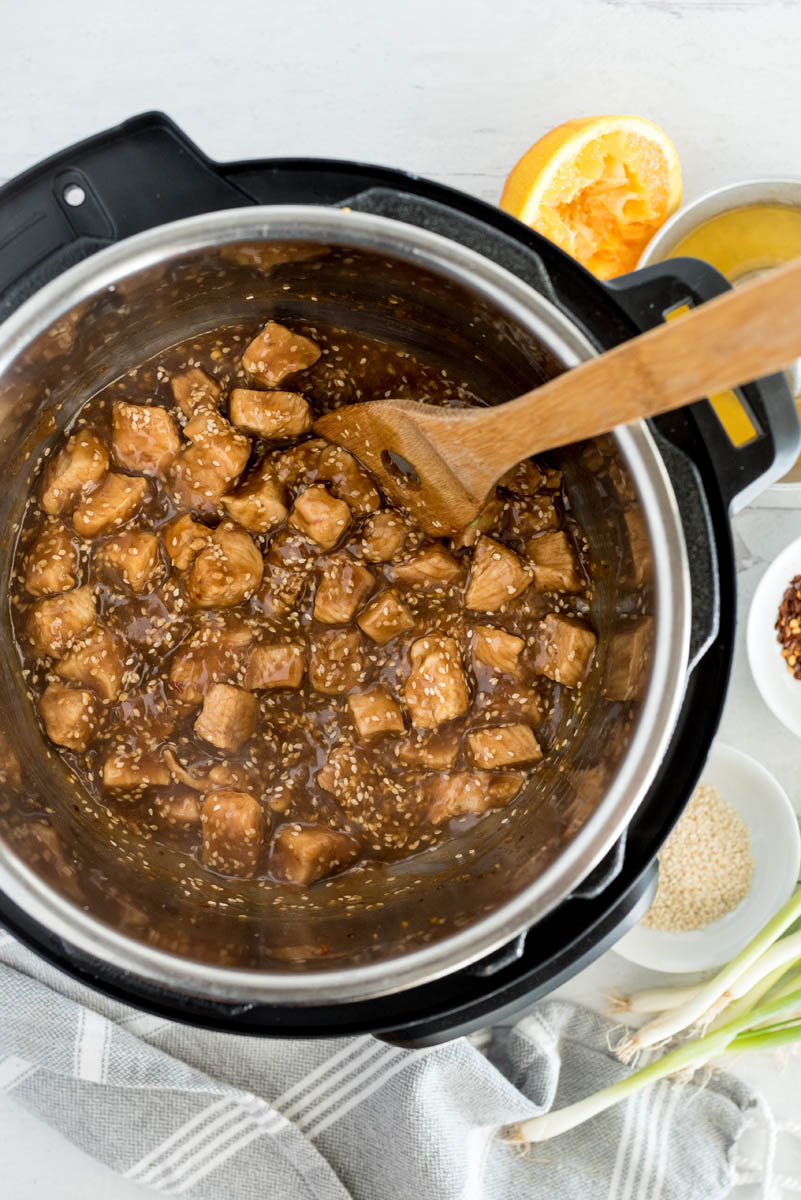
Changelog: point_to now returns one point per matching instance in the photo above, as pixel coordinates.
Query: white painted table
(452, 89)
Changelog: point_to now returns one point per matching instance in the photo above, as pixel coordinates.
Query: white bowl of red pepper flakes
(774, 637)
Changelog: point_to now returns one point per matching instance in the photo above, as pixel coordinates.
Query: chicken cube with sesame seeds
(470, 793)
(555, 563)
(51, 561)
(630, 651)
(132, 558)
(320, 516)
(564, 649)
(487, 519)
(273, 665)
(430, 565)
(196, 482)
(193, 388)
(385, 617)
(270, 415)
(133, 769)
(437, 689)
(281, 590)
(303, 854)
(259, 502)
(343, 586)
(53, 623)
(496, 576)
(497, 648)
(383, 536)
(227, 448)
(96, 660)
(502, 746)
(78, 466)
(422, 748)
(297, 466)
(375, 712)
(530, 515)
(233, 833)
(525, 479)
(336, 662)
(110, 505)
(178, 808)
(228, 571)
(277, 352)
(347, 480)
(70, 715)
(213, 654)
(228, 717)
(144, 438)
(184, 538)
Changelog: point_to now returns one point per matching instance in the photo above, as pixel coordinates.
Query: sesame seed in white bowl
(720, 867)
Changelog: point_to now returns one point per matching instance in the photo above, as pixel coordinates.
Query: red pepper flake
(788, 626)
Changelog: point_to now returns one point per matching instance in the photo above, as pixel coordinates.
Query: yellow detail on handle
(729, 408)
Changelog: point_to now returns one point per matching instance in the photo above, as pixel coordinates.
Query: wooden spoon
(456, 455)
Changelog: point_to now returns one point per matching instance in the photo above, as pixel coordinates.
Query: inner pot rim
(537, 316)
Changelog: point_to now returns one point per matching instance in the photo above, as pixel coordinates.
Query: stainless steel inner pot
(139, 906)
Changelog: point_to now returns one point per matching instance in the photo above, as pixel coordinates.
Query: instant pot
(543, 887)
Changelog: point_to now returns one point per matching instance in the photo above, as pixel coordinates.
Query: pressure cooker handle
(142, 173)
(743, 471)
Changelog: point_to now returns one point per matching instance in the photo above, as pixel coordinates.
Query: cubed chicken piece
(234, 829)
(134, 558)
(228, 571)
(281, 590)
(211, 655)
(375, 712)
(97, 661)
(496, 576)
(630, 651)
(530, 515)
(486, 520)
(337, 662)
(270, 414)
(502, 746)
(641, 557)
(228, 449)
(134, 769)
(564, 649)
(144, 438)
(277, 352)
(384, 535)
(228, 717)
(184, 538)
(110, 505)
(347, 480)
(258, 502)
(51, 563)
(297, 466)
(275, 665)
(196, 482)
(525, 479)
(385, 617)
(341, 590)
(54, 622)
(470, 793)
(437, 750)
(193, 388)
(303, 854)
(431, 565)
(78, 466)
(320, 516)
(291, 549)
(436, 689)
(178, 809)
(497, 648)
(70, 715)
(555, 564)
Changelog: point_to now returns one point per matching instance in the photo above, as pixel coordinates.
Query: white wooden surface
(452, 89)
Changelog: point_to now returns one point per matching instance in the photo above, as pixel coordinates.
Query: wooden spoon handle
(730, 340)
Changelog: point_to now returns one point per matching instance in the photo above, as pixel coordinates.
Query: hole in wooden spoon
(399, 470)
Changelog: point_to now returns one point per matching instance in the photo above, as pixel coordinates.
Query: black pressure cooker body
(146, 173)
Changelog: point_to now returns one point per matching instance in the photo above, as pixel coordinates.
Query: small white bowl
(780, 691)
(776, 850)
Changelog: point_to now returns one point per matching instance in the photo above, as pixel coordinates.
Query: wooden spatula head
(389, 436)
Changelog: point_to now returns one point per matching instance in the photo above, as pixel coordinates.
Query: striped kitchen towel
(211, 1115)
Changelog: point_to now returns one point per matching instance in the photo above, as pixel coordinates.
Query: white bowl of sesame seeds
(762, 806)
